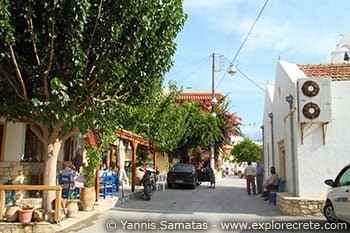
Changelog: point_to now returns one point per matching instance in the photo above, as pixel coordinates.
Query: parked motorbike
(149, 183)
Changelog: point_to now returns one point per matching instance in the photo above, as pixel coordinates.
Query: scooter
(148, 182)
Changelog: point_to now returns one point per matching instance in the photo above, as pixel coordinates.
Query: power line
(196, 70)
(244, 41)
(186, 67)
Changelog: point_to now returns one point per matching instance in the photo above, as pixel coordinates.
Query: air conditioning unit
(314, 100)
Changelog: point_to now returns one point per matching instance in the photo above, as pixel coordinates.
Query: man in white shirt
(249, 174)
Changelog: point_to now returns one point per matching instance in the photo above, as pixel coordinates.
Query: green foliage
(246, 151)
(93, 155)
(76, 62)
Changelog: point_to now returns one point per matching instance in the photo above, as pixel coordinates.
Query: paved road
(191, 210)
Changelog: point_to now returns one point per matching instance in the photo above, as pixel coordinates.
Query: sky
(301, 32)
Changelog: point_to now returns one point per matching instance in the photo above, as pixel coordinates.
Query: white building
(307, 141)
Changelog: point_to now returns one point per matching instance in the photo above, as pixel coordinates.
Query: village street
(201, 208)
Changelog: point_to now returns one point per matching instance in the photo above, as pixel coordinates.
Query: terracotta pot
(25, 215)
(11, 213)
(87, 198)
(72, 208)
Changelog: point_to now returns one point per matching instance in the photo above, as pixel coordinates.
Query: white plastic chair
(161, 180)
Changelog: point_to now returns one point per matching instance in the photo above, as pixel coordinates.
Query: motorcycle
(149, 183)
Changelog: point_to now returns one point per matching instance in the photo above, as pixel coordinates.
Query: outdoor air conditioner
(314, 100)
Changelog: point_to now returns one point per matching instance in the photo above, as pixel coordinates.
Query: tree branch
(38, 133)
(93, 31)
(15, 89)
(56, 130)
(47, 71)
(31, 30)
(70, 133)
(18, 74)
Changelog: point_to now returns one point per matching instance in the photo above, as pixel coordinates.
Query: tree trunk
(50, 172)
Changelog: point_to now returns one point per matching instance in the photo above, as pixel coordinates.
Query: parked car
(240, 168)
(182, 174)
(197, 165)
(337, 207)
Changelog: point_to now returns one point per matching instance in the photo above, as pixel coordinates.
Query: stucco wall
(14, 141)
(320, 162)
(314, 162)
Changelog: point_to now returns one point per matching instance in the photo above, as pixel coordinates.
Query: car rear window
(182, 167)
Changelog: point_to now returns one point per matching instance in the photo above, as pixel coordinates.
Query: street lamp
(214, 101)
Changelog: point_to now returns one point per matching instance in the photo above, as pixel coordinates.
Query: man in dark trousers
(260, 171)
(249, 174)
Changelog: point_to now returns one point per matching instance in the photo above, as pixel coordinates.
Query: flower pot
(72, 208)
(25, 215)
(87, 198)
(11, 213)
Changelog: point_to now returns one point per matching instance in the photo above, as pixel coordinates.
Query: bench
(273, 195)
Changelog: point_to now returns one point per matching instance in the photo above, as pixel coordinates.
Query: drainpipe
(263, 144)
(272, 140)
(290, 100)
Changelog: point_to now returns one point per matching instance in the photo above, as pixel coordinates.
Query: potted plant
(11, 213)
(88, 194)
(72, 207)
(25, 214)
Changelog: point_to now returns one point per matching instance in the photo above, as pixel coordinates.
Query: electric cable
(243, 43)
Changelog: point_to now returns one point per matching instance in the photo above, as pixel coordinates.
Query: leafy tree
(247, 150)
(65, 65)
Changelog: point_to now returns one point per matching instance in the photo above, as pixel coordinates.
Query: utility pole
(213, 103)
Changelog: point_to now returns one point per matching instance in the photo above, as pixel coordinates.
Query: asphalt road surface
(227, 208)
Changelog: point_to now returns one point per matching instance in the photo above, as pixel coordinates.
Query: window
(33, 150)
(344, 178)
(2, 141)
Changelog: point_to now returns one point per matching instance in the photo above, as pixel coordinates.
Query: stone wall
(297, 206)
(19, 172)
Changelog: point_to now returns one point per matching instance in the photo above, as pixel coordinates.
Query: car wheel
(329, 213)
(240, 175)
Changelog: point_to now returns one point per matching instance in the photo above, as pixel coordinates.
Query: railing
(58, 190)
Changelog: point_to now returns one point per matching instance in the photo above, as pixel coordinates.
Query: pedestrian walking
(212, 177)
(260, 171)
(249, 174)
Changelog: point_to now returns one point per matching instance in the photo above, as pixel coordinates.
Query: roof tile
(337, 71)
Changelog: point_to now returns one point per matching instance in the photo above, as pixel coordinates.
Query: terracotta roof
(337, 71)
(198, 96)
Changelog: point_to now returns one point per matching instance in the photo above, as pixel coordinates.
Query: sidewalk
(45, 227)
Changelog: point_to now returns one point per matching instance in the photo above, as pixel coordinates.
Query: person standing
(249, 174)
(212, 177)
(260, 171)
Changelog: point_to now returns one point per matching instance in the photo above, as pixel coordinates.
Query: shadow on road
(229, 197)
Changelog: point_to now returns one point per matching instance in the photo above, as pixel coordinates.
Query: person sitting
(78, 161)
(68, 169)
(270, 184)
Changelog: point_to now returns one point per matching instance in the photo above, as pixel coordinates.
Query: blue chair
(273, 195)
(108, 185)
(67, 183)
